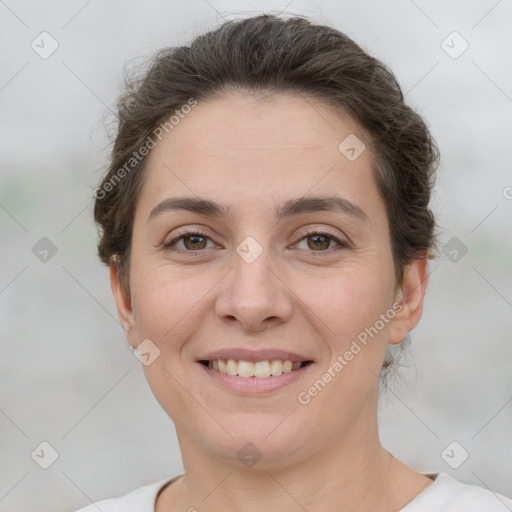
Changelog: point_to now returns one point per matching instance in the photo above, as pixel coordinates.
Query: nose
(254, 294)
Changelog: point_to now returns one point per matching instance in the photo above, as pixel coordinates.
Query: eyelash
(342, 244)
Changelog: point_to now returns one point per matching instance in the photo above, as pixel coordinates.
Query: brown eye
(318, 242)
(196, 242)
(192, 242)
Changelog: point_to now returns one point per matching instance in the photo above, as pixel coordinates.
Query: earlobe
(410, 297)
(123, 304)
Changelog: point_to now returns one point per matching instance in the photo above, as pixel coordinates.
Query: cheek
(353, 301)
(356, 338)
(166, 309)
(164, 302)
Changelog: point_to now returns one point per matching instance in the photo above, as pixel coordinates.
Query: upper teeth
(249, 369)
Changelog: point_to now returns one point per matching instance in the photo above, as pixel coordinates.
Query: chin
(257, 443)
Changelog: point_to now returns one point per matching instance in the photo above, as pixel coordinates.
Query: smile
(253, 377)
(258, 369)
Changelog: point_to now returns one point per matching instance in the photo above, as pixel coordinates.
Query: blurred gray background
(67, 374)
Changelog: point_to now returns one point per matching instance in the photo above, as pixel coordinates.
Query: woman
(266, 222)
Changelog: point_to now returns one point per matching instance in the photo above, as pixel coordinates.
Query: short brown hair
(270, 54)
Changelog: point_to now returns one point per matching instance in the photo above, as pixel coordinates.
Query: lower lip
(255, 385)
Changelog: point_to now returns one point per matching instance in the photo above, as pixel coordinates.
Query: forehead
(239, 146)
(285, 125)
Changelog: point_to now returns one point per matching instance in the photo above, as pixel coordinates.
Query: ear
(124, 305)
(410, 296)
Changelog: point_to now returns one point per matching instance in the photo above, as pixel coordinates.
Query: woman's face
(265, 278)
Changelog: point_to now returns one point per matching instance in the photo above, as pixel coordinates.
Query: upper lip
(253, 355)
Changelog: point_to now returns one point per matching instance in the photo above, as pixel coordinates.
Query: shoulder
(449, 495)
(140, 500)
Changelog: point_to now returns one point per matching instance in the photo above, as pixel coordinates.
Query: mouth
(254, 369)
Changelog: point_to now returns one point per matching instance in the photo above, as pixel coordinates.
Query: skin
(253, 154)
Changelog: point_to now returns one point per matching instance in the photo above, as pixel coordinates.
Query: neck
(352, 473)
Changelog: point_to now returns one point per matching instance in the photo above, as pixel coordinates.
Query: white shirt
(444, 495)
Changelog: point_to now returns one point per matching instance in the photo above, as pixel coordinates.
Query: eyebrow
(289, 208)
